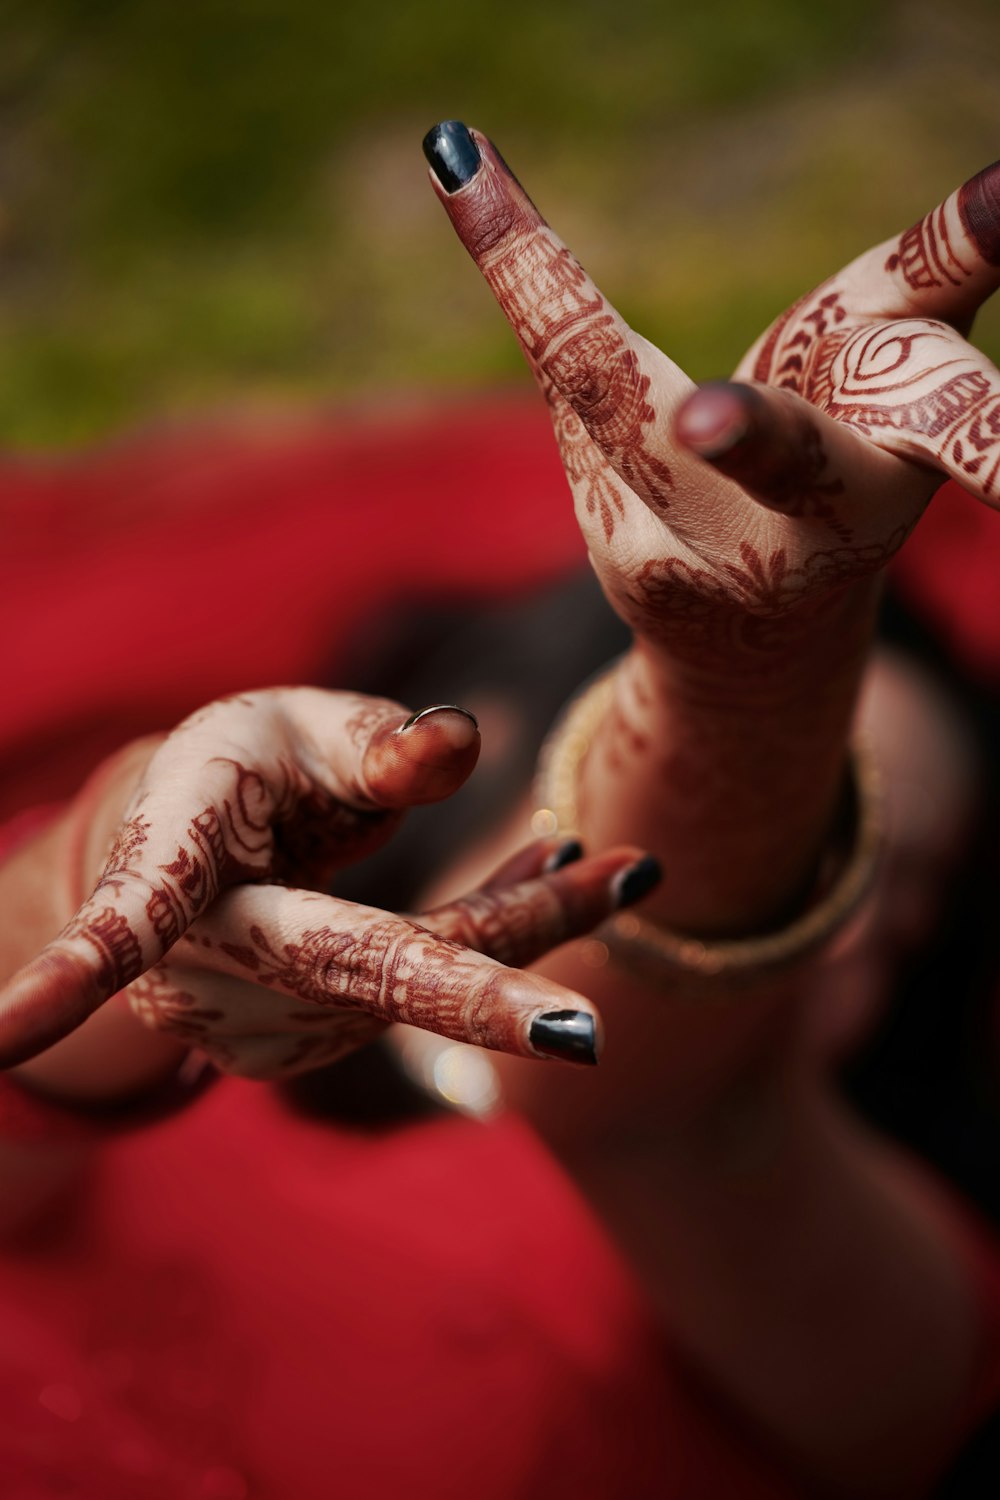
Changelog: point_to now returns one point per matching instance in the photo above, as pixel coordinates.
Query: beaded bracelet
(649, 948)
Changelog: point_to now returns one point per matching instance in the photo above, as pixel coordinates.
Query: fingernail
(453, 154)
(567, 854)
(637, 881)
(438, 708)
(714, 420)
(567, 1034)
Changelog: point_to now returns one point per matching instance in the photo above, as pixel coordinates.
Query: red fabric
(143, 581)
(246, 1305)
(947, 572)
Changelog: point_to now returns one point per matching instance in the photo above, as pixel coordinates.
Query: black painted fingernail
(567, 1034)
(453, 154)
(637, 881)
(567, 854)
(438, 708)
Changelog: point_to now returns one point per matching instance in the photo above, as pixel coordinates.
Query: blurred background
(215, 202)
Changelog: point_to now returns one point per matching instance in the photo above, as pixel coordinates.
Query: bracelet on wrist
(651, 949)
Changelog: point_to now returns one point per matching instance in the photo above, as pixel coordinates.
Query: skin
(207, 857)
(740, 530)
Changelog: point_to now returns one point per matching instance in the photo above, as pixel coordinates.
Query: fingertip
(458, 727)
(453, 154)
(567, 1035)
(714, 419)
(424, 759)
(43, 1002)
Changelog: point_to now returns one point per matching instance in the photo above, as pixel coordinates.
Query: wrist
(730, 768)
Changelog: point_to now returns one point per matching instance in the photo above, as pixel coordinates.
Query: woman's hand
(208, 911)
(815, 474)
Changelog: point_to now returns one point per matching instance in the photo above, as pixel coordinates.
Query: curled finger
(520, 922)
(794, 459)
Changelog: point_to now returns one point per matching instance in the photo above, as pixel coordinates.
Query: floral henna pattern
(577, 348)
(122, 860)
(159, 1002)
(586, 467)
(741, 603)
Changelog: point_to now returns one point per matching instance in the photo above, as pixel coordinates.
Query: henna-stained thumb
(424, 759)
(460, 724)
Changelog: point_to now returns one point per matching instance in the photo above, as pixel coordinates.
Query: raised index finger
(621, 388)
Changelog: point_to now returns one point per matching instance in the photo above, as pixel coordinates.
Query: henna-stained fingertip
(570, 1035)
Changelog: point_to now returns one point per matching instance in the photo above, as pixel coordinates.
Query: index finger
(622, 389)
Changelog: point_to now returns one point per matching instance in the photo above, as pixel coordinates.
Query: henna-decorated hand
(194, 915)
(867, 395)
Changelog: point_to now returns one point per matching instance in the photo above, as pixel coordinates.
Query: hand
(195, 918)
(813, 480)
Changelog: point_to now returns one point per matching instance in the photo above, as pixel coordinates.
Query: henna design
(118, 950)
(129, 840)
(692, 601)
(577, 348)
(879, 383)
(979, 211)
(925, 256)
(392, 972)
(787, 359)
(159, 1002)
(369, 716)
(586, 467)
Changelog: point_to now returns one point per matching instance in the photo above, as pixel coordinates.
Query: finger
(203, 821)
(245, 1030)
(915, 388)
(519, 924)
(944, 266)
(536, 859)
(792, 458)
(620, 387)
(332, 953)
(367, 760)
(370, 752)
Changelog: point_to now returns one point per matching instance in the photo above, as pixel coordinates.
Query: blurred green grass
(214, 202)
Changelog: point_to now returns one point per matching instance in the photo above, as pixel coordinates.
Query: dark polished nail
(637, 881)
(567, 1034)
(567, 854)
(453, 154)
(438, 708)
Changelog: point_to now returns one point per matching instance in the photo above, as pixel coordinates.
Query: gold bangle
(648, 948)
